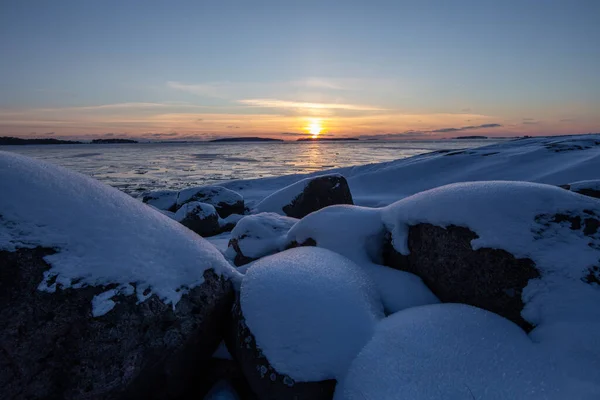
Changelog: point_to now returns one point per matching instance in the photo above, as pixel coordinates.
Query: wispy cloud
(465, 128)
(274, 103)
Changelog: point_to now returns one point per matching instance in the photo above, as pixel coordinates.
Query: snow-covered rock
(455, 351)
(302, 316)
(588, 188)
(358, 234)
(225, 201)
(526, 251)
(307, 195)
(95, 286)
(258, 235)
(200, 217)
(162, 199)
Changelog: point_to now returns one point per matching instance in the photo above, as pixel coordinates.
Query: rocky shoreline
(486, 289)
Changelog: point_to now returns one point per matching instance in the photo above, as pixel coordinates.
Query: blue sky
(232, 68)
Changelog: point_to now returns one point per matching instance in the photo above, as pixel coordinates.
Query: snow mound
(455, 351)
(354, 232)
(358, 234)
(222, 391)
(282, 197)
(102, 235)
(196, 208)
(310, 311)
(261, 234)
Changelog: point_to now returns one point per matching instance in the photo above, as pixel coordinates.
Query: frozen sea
(135, 168)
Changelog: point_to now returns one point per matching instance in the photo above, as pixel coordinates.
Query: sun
(315, 128)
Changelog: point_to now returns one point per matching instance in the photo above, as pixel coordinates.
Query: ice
(310, 310)
(455, 351)
(102, 236)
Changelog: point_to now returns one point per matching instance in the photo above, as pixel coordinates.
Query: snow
(358, 234)
(201, 210)
(310, 310)
(161, 199)
(102, 235)
(222, 391)
(281, 198)
(455, 351)
(219, 241)
(589, 184)
(376, 185)
(261, 234)
(213, 195)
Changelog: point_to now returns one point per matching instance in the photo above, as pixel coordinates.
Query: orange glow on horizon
(315, 128)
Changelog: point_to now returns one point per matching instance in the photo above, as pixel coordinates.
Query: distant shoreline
(245, 139)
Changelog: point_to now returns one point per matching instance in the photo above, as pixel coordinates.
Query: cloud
(567, 120)
(233, 127)
(466, 128)
(274, 103)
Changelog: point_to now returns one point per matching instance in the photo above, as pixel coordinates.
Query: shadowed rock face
(52, 348)
(319, 193)
(589, 192)
(210, 195)
(264, 380)
(203, 225)
(487, 278)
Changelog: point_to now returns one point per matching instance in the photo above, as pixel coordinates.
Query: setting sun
(315, 128)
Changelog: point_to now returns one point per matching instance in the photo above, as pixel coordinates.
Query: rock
(52, 347)
(264, 380)
(225, 201)
(308, 195)
(589, 188)
(162, 199)
(229, 222)
(487, 278)
(258, 235)
(202, 218)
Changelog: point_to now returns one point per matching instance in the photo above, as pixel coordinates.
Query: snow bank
(533, 160)
(310, 310)
(284, 196)
(102, 235)
(455, 351)
(260, 234)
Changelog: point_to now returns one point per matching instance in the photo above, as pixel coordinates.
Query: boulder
(308, 195)
(54, 347)
(301, 317)
(200, 217)
(162, 199)
(258, 235)
(522, 250)
(488, 278)
(225, 201)
(589, 188)
(101, 297)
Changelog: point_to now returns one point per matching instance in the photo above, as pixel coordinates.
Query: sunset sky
(169, 70)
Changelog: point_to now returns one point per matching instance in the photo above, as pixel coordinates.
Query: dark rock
(225, 201)
(589, 192)
(307, 242)
(162, 199)
(202, 218)
(52, 348)
(319, 193)
(487, 278)
(264, 380)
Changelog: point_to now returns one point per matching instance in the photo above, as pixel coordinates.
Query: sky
(181, 70)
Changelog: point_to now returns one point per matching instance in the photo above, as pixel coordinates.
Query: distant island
(245, 139)
(471, 137)
(111, 141)
(12, 141)
(325, 139)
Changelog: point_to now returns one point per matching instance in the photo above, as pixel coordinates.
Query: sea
(140, 167)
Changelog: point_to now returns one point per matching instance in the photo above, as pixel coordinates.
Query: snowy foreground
(452, 275)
